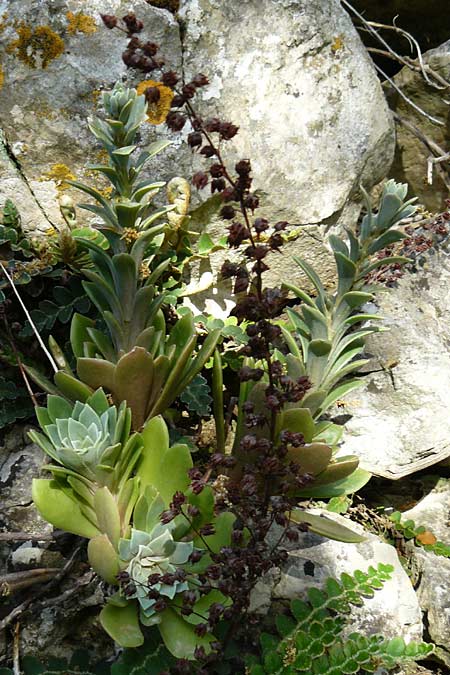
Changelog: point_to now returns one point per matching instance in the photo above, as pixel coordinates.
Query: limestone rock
(393, 611)
(400, 420)
(297, 80)
(20, 462)
(434, 598)
(311, 112)
(433, 592)
(56, 59)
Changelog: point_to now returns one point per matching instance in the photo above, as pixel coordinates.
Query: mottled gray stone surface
(296, 79)
(400, 420)
(392, 611)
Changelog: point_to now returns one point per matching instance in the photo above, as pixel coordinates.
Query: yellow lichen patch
(2, 77)
(3, 22)
(60, 173)
(106, 191)
(338, 43)
(42, 110)
(36, 46)
(80, 23)
(157, 112)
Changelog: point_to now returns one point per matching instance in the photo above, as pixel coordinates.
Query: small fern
(421, 535)
(15, 402)
(310, 639)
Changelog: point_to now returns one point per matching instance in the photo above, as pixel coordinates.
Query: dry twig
(16, 650)
(438, 154)
(20, 609)
(24, 536)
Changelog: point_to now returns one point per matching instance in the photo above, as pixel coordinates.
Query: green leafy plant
(420, 534)
(331, 328)
(15, 403)
(310, 639)
(140, 359)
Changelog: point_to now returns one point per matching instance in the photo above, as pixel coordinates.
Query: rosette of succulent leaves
(330, 330)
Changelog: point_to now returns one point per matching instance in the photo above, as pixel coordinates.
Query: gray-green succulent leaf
(149, 553)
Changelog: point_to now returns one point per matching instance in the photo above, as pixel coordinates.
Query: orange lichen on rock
(36, 46)
(2, 77)
(80, 23)
(3, 22)
(338, 44)
(157, 111)
(60, 173)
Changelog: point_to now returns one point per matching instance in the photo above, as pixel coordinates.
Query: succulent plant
(154, 553)
(329, 330)
(86, 438)
(130, 205)
(93, 490)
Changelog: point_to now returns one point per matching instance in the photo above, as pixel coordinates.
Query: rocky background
(295, 76)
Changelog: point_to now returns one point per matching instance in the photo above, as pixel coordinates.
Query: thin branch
(24, 536)
(431, 161)
(407, 99)
(437, 152)
(20, 609)
(412, 65)
(411, 39)
(16, 650)
(27, 314)
(16, 581)
(79, 583)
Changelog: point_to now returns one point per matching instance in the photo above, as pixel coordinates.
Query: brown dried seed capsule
(208, 151)
(170, 78)
(194, 139)
(150, 48)
(178, 101)
(200, 80)
(175, 121)
(109, 20)
(200, 180)
(152, 94)
(216, 170)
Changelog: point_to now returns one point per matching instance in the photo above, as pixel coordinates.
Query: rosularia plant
(129, 211)
(329, 331)
(93, 455)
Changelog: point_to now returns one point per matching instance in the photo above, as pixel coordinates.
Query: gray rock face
(393, 611)
(56, 58)
(433, 591)
(400, 420)
(296, 79)
(293, 75)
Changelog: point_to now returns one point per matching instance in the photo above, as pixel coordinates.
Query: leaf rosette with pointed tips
(150, 553)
